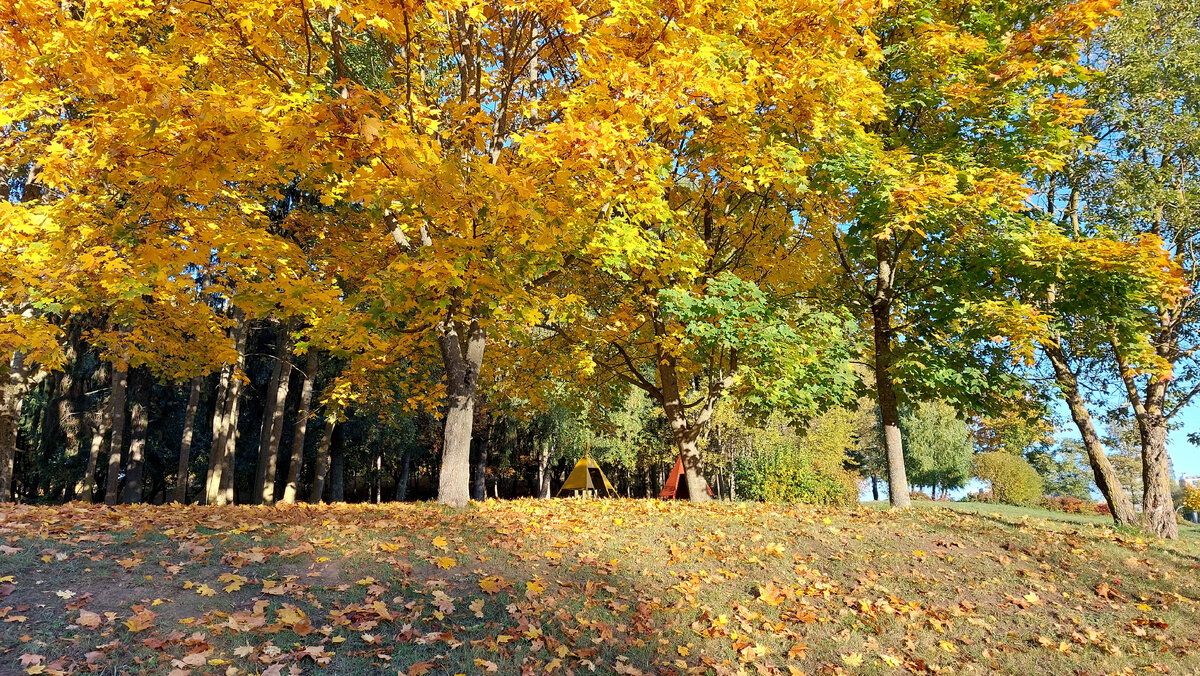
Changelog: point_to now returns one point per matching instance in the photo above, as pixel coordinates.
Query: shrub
(1068, 504)
(1013, 480)
(792, 477)
(1102, 509)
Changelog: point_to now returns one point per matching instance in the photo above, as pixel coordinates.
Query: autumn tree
(971, 107)
(1141, 182)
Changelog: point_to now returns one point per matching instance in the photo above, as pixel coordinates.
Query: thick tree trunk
(297, 460)
(139, 421)
(1119, 504)
(337, 466)
(212, 480)
(272, 429)
(889, 409)
(461, 358)
(1158, 509)
(10, 419)
(683, 433)
(116, 442)
(185, 442)
(321, 466)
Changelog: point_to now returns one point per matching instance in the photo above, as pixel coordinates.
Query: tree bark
(479, 466)
(337, 465)
(268, 448)
(1119, 504)
(185, 442)
(139, 416)
(462, 357)
(100, 424)
(889, 409)
(11, 401)
(218, 489)
(321, 466)
(1149, 409)
(116, 442)
(546, 450)
(297, 460)
(683, 433)
(402, 483)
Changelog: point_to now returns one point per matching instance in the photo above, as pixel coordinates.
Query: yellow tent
(587, 476)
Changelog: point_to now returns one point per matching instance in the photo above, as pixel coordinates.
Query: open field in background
(576, 587)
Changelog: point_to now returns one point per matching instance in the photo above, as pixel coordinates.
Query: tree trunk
(219, 487)
(889, 410)
(100, 423)
(479, 466)
(139, 421)
(546, 448)
(1119, 504)
(10, 420)
(321, 466)
(683, 433)
(875, 488)
(337, 465)
(402, 482)
(115, 443)
(268, 448)
(185, 442)
(212, 477)
(461, 360)
(297, 459)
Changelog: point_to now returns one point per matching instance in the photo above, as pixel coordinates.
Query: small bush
(793, 478)
(1066, 504)
(1013, 480)
(1102, 509)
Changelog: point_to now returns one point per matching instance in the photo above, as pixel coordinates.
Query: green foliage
(779, 463)
(1064, 470)
(937, 446)
(791, 358)
(1013, 480)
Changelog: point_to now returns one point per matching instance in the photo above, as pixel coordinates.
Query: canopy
(587, 476)
(676, 487)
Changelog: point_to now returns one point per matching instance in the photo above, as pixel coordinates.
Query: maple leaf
(88, 619)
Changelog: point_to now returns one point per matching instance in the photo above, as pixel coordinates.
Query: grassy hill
(575, 587)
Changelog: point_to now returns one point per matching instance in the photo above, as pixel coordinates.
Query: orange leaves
(771, 595)
(492, 584)
(142, 619)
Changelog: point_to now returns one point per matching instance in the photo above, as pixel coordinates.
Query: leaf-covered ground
(575, 587)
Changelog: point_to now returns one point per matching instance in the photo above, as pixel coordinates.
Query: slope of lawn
(576, 587)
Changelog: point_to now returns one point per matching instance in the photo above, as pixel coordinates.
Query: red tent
(676, 486)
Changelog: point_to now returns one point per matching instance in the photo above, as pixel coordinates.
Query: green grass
(621, 586)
